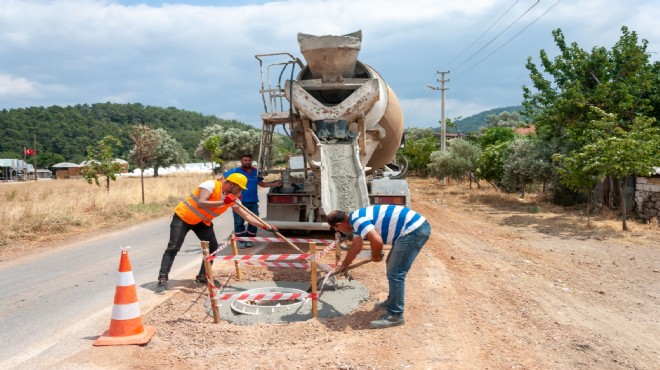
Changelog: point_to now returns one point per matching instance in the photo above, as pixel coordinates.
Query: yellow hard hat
(238, 179)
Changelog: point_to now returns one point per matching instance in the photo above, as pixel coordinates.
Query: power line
(500, 34)
(509, 40)
(482, 35)
(414, 110)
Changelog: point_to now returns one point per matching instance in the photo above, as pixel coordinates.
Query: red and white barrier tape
(273, 239)
(274, 264)
(211, 256)
(264, 296)
(325, 250)
(265, 257)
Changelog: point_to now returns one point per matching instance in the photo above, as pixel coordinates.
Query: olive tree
(101, 161)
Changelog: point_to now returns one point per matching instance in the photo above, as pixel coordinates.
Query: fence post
(209, 282)
(312, 264)
(235, 249)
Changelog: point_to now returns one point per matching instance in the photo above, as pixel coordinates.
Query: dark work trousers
(178, 231)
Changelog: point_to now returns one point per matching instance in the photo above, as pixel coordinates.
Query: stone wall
(647, 197)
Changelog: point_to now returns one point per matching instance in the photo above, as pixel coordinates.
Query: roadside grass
(42, 211)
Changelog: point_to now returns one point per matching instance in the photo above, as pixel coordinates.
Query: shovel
(325, 268)
(332, 273)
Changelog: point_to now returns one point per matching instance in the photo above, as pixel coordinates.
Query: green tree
(418, 153)
(573, 89)
(458, 161)
(524, 165)
(617, 152)
(101, 161)
(47, 160)
(495, 135)
(490, 165)
(212, 149)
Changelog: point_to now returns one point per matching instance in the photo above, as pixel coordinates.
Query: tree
(460, 160)
(524, 165)
(490, 165)
(495, 135)
(169, 152)
(212, 149)
(504, 119)
(577, 85)
(617, 152)
(145, 144)
(418, 153)
(101, 161)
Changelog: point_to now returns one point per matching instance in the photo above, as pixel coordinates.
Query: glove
(270, 228)
(230, 198)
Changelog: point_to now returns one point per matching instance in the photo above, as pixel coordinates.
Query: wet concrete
(343, 300)
(342, 178)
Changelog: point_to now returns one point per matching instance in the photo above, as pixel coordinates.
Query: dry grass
(42, 211)
(39, 212)
(535, 205)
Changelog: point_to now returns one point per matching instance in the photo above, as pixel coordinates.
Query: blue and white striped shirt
(390, 221)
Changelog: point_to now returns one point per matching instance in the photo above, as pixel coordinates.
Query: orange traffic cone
(126, 323)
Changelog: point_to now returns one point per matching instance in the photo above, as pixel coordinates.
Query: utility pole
(443, 123)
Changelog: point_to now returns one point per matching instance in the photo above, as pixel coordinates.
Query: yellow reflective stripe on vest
(192, 195)
(196, 211)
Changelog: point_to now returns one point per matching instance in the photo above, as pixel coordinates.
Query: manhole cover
(258, 307)
(265, 306)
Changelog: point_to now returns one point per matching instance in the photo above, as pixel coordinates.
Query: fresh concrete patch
(334, 302)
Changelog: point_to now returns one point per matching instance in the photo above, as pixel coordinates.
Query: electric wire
(508, 41)
(411, 115)
(500, 34)
(450, 64)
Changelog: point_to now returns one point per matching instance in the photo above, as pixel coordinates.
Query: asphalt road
(57, 302)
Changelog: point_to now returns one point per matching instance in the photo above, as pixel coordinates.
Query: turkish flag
(29, 151)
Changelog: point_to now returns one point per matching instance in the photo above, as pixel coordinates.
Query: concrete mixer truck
(347, 124)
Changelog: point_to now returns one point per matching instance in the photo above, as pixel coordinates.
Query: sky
(200, 55)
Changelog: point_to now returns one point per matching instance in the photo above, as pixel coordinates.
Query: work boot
(387, 320)
(382, 305)
(161, 287)
(201, 279)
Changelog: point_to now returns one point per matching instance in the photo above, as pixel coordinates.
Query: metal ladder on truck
(274, 99)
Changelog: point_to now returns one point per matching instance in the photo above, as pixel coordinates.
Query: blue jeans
(399, 260)
(239, 222)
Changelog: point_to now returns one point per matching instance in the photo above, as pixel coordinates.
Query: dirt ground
(510, 285)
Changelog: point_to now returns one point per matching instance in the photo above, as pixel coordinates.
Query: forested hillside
(67, 131)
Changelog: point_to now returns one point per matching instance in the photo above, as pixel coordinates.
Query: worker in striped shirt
(402, 228)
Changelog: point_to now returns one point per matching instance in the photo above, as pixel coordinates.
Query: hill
(67, 131)
(474, 122)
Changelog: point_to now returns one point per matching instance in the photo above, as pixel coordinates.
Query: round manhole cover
(294, 298)
(267, 306)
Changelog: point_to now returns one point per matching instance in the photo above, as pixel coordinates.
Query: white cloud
(201, 58)
(15, 86)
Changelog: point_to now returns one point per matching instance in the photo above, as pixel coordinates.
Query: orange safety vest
(193, 214)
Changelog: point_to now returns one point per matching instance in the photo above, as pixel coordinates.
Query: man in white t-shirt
(196, 212)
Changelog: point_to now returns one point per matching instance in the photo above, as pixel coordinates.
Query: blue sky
(199, 55)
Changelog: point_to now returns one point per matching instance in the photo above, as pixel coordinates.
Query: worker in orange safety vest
(196, 212)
